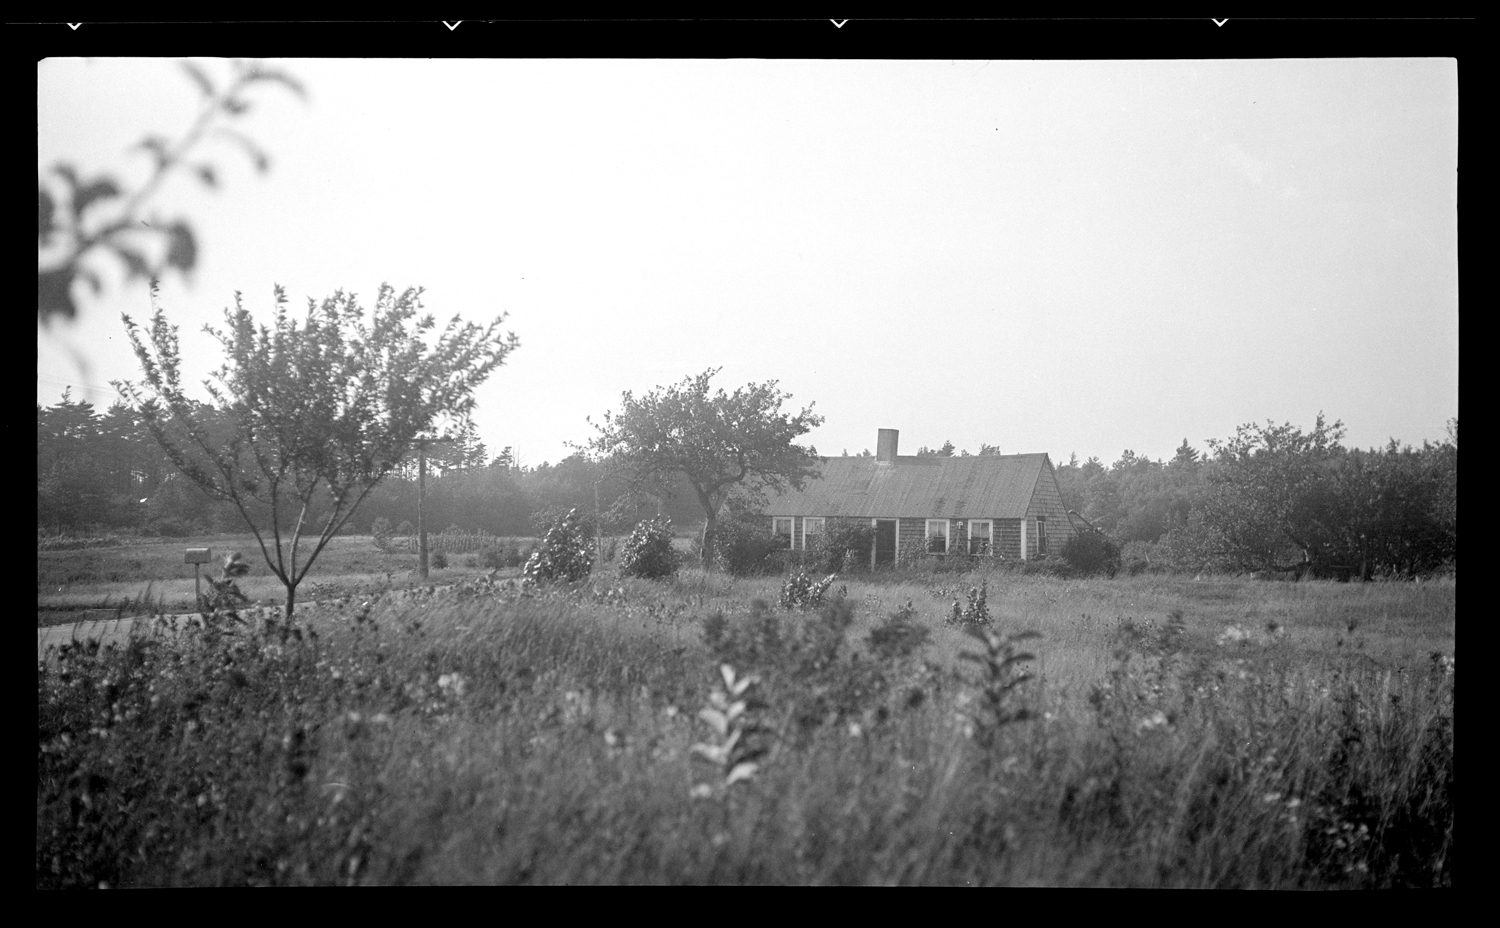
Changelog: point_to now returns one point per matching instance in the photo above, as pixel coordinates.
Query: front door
(885, 542)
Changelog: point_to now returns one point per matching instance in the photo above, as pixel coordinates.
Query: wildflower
(855, 730)
(701, 791)
(1157, 719)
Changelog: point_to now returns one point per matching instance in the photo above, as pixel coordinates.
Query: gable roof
(981, 486)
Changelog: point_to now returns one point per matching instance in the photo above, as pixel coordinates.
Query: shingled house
(999, 505)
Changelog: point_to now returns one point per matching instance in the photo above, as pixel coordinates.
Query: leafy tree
(83, 224)
(720, 442)
(309, 418)
(1262, 497)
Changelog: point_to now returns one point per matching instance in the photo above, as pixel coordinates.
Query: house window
(981, 536)
(1041, 536)
(784, 528)
(937, 536)
(812, 532)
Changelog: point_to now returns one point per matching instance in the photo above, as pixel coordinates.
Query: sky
(1071, 257)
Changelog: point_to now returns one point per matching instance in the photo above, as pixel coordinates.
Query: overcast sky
(1052, 256)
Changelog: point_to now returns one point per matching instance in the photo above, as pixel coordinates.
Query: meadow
(131, 576)
(1156, 731)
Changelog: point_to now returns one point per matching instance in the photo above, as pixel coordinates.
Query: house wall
(1046, 503)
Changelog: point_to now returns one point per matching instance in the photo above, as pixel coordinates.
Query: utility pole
(422, 446)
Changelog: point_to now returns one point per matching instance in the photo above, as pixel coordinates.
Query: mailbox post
(196, 556)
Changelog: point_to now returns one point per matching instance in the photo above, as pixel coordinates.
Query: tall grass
(495, 733)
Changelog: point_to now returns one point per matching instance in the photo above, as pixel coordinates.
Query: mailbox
(199, 555)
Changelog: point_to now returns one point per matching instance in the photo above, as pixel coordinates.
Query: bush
(566, 553)
(803, 592)
(846, 547)
(406, 528)
(1092, 553)
(976, 614)
(438, 560)
(648, 551)
(170, 528)
(381, 529)
(746, 548)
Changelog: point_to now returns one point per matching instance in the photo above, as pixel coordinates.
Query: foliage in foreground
(503, 733)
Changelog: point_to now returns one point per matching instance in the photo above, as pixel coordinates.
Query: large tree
(307, 418)
(721, 443)
(1264, 494)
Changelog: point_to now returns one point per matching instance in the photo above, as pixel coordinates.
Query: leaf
(53, 296)
(135, 263)
(715, 718)
(199, 77)
(741, 771)
(713, 753)
(158, 148)
(102, 189)
(280, 77)
(46, 215)
(727, 672)
(182, 253)
(205, 172)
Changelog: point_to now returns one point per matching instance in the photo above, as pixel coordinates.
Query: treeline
(105, 472)
(1274, 498)
(1271, 498)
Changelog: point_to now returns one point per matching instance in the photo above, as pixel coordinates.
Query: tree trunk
(291, 599)
(710, 540)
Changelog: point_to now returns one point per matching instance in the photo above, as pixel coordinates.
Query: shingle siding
(1001, 488)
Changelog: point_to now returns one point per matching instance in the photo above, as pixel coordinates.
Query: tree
(720, 443)
(67, 238)
(309, 418)
(1264, 496)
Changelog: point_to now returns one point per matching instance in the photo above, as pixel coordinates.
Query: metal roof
(982, 486)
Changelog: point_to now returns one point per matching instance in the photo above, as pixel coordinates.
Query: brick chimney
(885, 446)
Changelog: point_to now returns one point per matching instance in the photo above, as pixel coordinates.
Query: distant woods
(105, 472)
(1270, 498)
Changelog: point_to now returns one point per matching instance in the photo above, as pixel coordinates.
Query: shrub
(438, 560)
(747, 548)
(566, 552)
(648, 551)
(803, 592)
(1092, 553)
(168, 527)
(381, 529)
(899, 636)
(976, 614)
(406, 528)
(845, 547)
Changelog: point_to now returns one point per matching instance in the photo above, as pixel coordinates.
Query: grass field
(146, 576)
(1213, 733)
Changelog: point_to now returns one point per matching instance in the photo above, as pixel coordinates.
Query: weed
(738, 739)
(802, 592)
(976, 614)
(1000, 676)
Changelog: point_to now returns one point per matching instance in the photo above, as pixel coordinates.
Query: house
(995, 505)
